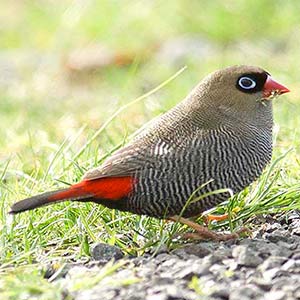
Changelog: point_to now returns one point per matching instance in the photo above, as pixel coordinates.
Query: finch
(218, 137)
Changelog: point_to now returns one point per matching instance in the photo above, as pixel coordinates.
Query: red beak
(271, 86)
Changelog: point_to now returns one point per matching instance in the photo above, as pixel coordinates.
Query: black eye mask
(252, 82)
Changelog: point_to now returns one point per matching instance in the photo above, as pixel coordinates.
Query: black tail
(71, 193)
(35, 202)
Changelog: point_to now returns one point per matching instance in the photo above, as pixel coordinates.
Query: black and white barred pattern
(167, 175)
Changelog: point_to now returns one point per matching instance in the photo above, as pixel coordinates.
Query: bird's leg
(203, 233)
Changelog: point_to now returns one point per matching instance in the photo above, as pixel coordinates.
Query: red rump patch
(110, 188)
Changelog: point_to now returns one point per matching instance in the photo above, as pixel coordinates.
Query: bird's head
(240, 92)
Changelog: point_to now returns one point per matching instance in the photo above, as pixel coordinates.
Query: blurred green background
(65, 64)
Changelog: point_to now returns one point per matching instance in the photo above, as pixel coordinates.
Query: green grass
(50, 119)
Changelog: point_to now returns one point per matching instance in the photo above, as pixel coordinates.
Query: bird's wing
(129, 159)
(122, 163)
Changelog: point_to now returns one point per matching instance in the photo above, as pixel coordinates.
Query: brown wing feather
(118, 165)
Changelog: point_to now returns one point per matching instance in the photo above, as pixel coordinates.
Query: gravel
(266, 266)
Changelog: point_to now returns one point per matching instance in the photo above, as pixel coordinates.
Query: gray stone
(281, 282)
(272, 262)
(223, 252)
(160, 296)
(246, 257)
(199, 250)
(171, 291)
(218, 269)
(277, 235)
(275, 295)
(212, 259)
(189, 272)
(106, 252)
(291, 265)
(261, 283)
(266, 249)
(221, 293)
(162, 258)
(296, 255)
(183, 269)
(296, 230)
(273, 273)
(245, 292)
(296, 292)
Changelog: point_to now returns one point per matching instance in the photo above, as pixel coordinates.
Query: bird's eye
(246, 83)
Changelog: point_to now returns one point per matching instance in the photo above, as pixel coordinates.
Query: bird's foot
(208, 218)
(203, 233)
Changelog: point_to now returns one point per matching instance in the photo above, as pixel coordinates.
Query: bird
(218, 138)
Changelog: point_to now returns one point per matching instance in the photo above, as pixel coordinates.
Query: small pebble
(106, 252)
(246, 257)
